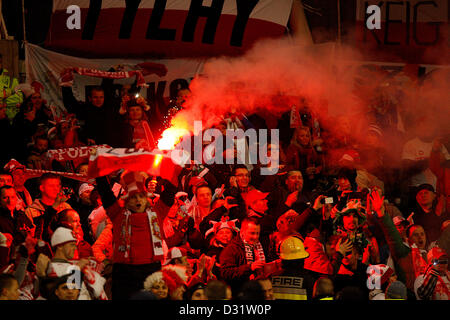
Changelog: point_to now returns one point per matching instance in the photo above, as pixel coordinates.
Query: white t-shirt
(417, 150)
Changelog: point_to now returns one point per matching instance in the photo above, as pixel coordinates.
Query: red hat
(133, 182)
(174, 276)
(224, 223)
(174, 253)
(254, 195)
(195, 181)
(12, 165)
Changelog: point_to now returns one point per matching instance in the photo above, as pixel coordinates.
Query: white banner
(45, 66)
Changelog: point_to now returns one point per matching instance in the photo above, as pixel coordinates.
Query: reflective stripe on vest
(288, 288)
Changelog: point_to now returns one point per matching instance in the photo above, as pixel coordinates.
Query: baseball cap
(61, 236)
(255, 195)
(85, 187)
(425, 186)
(174, 253)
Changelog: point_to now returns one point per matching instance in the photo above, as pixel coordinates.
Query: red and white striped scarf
(254, 252)
(157, 243)
(67, 75)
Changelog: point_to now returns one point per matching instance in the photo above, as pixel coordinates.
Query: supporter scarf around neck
(154, 229)
(419, 263)
(252, 250)
(442, 289)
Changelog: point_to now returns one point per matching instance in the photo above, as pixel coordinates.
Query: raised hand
(375, 202)
(291, 198)
(318, 203)
(229, 205)
(41, 265)
(344, 247)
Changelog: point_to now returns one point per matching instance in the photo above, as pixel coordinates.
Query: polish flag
(155, 163)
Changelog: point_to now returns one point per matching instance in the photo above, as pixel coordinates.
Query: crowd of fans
(344, 218)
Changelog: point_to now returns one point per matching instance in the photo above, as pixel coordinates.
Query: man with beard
(289, 196)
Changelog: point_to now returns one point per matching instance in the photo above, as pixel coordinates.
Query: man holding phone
(434, 284)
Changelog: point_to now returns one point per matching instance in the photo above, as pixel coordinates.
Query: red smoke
(275, 74)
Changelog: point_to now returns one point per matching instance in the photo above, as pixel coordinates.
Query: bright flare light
(170, 138)
(157, 161)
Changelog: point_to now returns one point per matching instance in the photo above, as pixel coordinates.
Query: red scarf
(419, 263)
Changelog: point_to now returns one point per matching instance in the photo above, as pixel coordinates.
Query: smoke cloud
(330, 79)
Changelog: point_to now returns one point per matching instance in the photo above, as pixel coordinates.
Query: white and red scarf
(72, 153)
(67, 77)
(419, 263)
(155, 230)
(254, 252)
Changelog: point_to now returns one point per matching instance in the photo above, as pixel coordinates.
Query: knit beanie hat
(396, 290)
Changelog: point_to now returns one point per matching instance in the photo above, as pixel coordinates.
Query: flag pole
(23, 22)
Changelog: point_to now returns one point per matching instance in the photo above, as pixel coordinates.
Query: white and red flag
(155, 163)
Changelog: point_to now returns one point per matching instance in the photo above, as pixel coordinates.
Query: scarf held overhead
(67, 77)
(106, 161)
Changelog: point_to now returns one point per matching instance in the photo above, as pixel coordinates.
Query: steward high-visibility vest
(288, 288)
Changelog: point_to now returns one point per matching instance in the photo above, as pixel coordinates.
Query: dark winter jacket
(234, 267)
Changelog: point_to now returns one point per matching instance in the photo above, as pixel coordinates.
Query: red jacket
(141, 247)
(317, 260)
